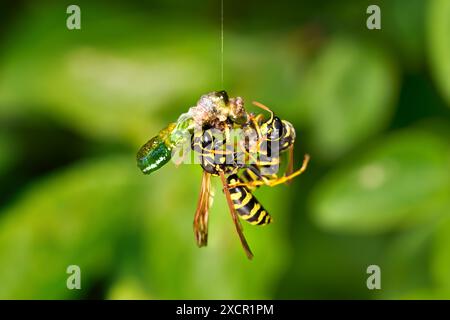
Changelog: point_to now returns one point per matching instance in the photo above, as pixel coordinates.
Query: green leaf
(426, 294)
(349, 93)
(438, 23)
(71, 218)
(440, 259)
(401, 181)
(8, 151)
(128, 288)
(406, 265)
(403, 21)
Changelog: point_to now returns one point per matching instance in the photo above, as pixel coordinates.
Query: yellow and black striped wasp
(241, 148)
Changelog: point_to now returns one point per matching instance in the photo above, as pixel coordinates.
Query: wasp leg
(252, 173)
(202, 213)
(257, 145)
(255, 121)
(276, 181)
(258, 118)
(290, 165)
(234, 216)
(248, 156)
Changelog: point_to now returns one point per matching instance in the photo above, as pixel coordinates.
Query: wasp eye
(277, 124)
(277, 127)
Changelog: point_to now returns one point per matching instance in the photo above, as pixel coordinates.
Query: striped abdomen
(246, 205)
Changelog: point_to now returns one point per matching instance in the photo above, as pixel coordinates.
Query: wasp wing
(201, 215)
(235, 218)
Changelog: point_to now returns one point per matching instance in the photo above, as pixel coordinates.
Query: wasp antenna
(260, 105)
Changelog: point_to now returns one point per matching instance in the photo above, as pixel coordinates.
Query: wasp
(243, 161)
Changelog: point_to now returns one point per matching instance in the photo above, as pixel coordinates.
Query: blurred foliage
(357, 86)
(386, 177)
(371, 107)
(439, 44)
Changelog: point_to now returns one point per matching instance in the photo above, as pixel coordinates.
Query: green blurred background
(371, 107)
